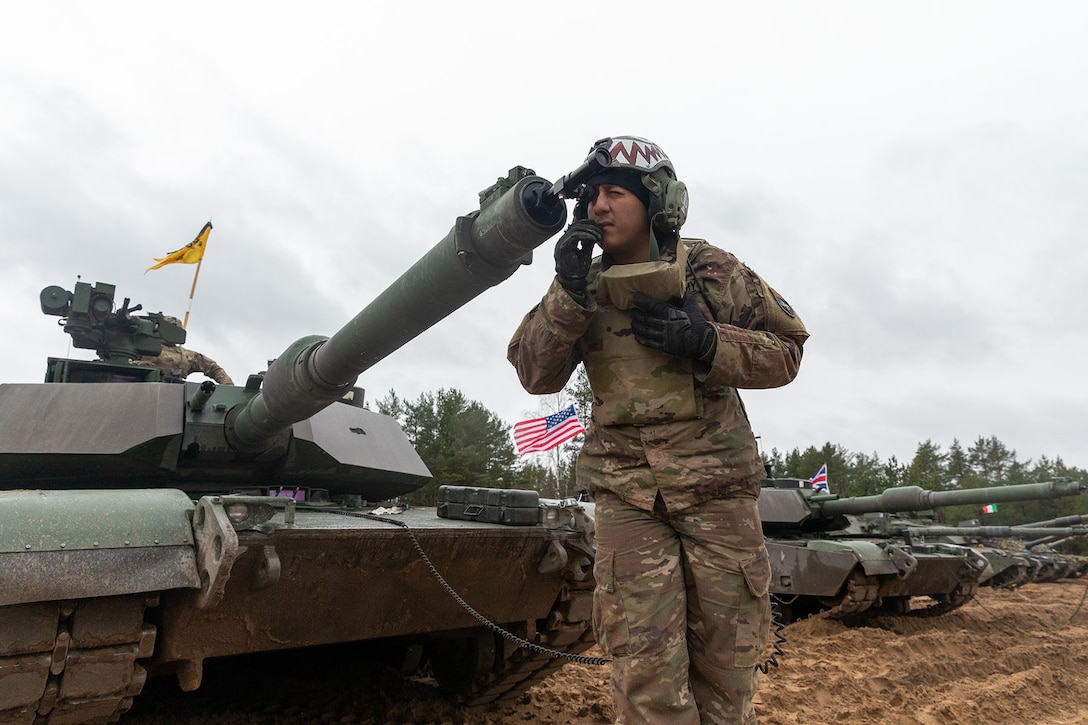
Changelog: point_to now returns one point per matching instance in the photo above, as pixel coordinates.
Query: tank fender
(874, 560)
(797, 567)
(74, 544)
(974, 560)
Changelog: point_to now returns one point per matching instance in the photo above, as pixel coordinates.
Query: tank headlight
(247, 514)
(237, 512)
(556, 517)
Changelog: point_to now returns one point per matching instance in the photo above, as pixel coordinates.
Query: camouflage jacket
(711, 454)
(180, 362)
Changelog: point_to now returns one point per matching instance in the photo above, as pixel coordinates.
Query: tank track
(861, 592)
(522, 668)
(947, 602)
(69, 662)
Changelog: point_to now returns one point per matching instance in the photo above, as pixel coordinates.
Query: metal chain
(776, 618)
(581, 659)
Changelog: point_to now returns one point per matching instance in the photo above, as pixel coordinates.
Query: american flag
(819, 481)
(543, 434)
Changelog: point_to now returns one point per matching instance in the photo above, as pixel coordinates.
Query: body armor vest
(634, 384)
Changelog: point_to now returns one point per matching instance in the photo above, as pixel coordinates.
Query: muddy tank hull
(845, 578)
(307, 575)
(1011, 570)
(944, 578)
(341, 575)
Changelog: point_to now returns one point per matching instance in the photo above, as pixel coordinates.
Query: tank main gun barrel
(516, 215)
(916, 498)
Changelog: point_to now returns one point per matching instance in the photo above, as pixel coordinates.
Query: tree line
(465, 444)
(986, 463)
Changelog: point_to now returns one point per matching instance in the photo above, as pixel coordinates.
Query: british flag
(819, 481)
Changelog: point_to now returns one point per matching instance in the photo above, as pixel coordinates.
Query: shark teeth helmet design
(668, 207)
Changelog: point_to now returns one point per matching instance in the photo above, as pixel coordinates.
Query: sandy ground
(1006, 657)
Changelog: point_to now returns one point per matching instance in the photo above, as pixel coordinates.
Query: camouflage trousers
(682, 608)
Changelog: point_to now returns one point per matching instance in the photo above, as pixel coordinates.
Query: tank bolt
(27, 547)
(63, 545)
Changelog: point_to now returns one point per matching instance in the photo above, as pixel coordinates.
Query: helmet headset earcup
(668, 203)
(676, 205)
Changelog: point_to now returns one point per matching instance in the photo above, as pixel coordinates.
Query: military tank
(1010, 550)
(841, 556)
(147, 526)
(1048, 562)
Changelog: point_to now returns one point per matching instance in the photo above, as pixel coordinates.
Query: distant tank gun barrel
(990, 531)
(517, 214)
(1049, 541)
(915, 498)
(1074, 520)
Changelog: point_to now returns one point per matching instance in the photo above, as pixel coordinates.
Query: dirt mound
(1006, 657)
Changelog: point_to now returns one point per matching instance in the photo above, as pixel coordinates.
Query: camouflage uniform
(179, 362)
(682, 572)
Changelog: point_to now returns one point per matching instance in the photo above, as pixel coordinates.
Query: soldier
(179, 362)
(668, 329)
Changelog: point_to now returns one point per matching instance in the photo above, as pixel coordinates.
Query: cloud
(911, 179)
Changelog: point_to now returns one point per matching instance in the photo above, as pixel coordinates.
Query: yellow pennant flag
(191, 253)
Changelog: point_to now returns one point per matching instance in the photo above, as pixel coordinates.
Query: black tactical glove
(680, 331)
(573, 254)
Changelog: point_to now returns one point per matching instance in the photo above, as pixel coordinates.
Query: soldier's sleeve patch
(782, 302)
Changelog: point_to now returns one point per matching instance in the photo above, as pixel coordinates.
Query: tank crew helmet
(641, 167)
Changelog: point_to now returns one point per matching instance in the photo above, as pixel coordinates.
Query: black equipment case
(510, 506)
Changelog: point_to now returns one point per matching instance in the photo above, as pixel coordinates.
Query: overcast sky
(912, 177)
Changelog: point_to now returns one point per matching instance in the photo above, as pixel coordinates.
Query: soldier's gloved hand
(574, 253)
(680, 331)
